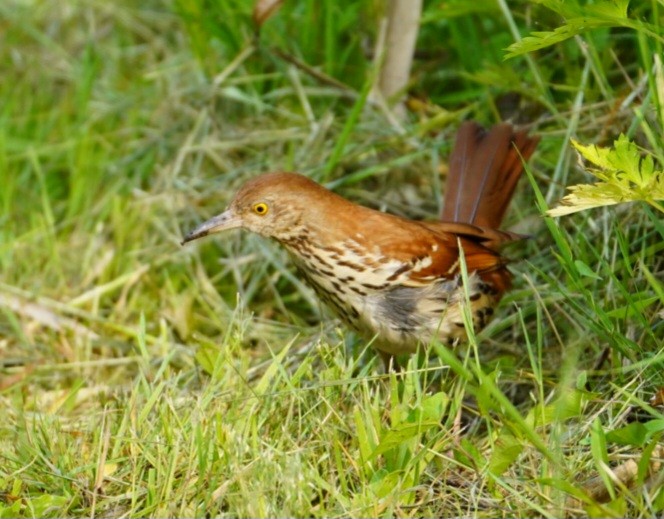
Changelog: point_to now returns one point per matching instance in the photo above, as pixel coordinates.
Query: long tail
(484, 170)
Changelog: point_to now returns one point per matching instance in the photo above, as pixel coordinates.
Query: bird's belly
(406, 318)
(401, 318)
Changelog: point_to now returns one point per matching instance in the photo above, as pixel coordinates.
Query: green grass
(140, 378)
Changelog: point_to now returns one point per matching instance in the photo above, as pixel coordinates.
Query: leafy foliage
(140, 378)
(579, 19)
(625, 176)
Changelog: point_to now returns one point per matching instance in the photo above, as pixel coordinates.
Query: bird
(393, 280)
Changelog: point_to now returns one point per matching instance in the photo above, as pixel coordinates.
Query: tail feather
(485, 167)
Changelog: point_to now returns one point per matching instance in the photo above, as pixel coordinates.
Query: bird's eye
(260, 209)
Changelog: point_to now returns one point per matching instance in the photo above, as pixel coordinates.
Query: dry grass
(140, 378)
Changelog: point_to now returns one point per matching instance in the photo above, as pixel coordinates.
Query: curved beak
(222, 222)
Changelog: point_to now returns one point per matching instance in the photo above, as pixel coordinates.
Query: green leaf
(634, 434)
(12, 510)
(598, 442)
(48, 505)
(364, 441)
(432, 408)
(615, 508)
(578, 19)
(565, 486)
(506, 451)
(541, 39)
(275, 367)
(581, 380)
(607, 8)
(383, 483)
(655, 284)
(426, 415)
(206, 356)
(566, 405)
(625, 176)
(637, 306)
(469, 455)
(397, 436)
(585, 270)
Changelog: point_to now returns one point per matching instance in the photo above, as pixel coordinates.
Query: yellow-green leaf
(625, 176)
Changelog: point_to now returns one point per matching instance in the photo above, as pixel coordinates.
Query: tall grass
(140, 378)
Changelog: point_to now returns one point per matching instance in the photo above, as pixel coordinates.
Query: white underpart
(436, 305)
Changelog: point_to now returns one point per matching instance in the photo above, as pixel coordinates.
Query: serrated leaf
(567, 9)
(540, 39)
(586, 196)
(578, 19)
(607, 9)
(625, 176)
(624, 160)
(456, 9)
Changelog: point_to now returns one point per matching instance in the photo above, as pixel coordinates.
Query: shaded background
(123, 124)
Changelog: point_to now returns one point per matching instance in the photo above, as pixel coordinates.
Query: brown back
(484, 170)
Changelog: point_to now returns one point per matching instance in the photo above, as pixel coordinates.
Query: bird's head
(271, 205)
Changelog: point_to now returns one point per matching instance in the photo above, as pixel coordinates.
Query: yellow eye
(260, 209)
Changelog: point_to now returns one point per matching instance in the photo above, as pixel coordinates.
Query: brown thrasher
(387, 277)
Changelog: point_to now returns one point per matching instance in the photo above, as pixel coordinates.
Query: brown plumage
(390, 278)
